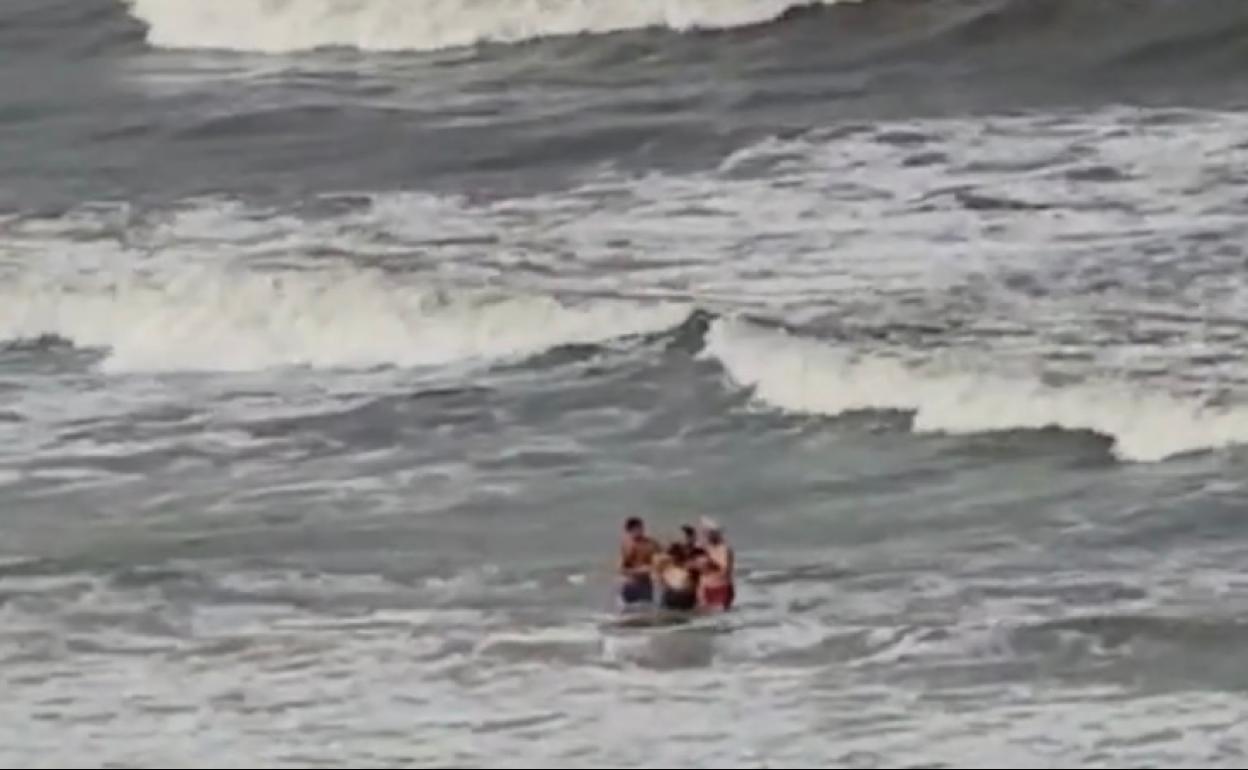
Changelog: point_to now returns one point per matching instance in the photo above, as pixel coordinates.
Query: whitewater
(428, 25)
(339, 338)
(795, 375)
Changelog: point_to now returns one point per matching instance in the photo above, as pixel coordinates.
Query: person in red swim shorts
(717, 587)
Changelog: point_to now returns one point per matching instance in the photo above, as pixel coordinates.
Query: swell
(1133, 39)
(63, 29)
(1146, 43)
(646, 98)
(215, 319)
(1029, 38)
(393, 25)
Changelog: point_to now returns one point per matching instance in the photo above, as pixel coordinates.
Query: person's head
(691, 535)
(678, 553)
(634, 527)
(711, 529)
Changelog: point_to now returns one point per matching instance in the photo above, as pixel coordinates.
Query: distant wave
(216, 320)
(1146, 42)
(403, 25)
(805, 376)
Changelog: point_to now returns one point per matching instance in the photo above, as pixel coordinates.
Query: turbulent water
(338, 338)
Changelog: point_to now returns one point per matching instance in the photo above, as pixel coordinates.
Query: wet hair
(678, 552)
(690, 532)
(633, 524)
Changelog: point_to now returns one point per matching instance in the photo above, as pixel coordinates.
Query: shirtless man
(637, 552)
(717, 588)
(678, 578)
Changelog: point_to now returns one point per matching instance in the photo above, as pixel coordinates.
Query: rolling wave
(1150, 43)
(212, 319)
(397, 25)
(805, 376)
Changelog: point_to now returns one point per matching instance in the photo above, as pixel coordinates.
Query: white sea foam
(292, 25)
(806, 228)
(239, 320)
(800, 375)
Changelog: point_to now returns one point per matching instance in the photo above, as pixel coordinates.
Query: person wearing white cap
(717, 585)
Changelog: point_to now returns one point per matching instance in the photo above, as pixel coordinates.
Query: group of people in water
(693, 573)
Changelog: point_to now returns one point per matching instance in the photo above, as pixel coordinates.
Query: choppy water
(337, 339)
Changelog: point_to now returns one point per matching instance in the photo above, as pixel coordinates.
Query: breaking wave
(400, 25)
(211, 319)
(799, 375)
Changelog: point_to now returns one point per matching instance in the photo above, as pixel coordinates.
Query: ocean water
(338, 338)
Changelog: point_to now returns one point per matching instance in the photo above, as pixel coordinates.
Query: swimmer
(637, 554)
(717, 589)
(693, 548)
(678, 579)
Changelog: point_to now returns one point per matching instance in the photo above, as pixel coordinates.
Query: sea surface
(339, 337)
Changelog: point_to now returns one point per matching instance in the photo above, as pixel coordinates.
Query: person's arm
(656, 567)
(650, 566)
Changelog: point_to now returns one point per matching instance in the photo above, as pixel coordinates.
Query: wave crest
(805, 376)
(402, 25)
(215, 320)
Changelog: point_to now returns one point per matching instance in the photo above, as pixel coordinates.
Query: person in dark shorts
(678, 579)
(637, 553)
